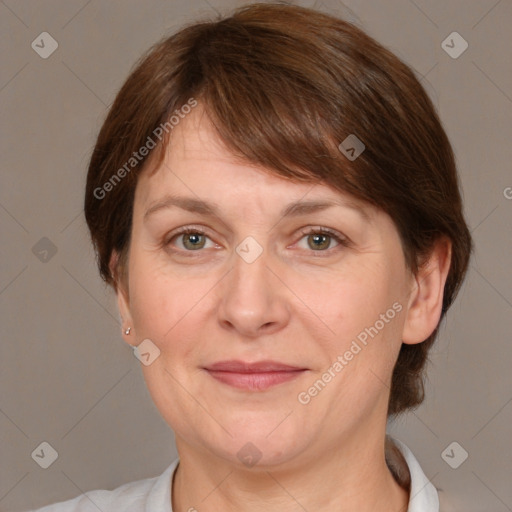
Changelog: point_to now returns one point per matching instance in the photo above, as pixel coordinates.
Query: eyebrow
(209, 209)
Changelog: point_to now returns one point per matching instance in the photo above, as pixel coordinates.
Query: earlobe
(123, 302)
(128, 330)
(426, 301)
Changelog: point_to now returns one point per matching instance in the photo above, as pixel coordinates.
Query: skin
(296, 304)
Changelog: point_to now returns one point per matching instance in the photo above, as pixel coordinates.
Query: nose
(253, 299)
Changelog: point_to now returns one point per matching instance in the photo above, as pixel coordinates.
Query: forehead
(197, 163)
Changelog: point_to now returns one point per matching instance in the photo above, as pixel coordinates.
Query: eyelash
(340, 239)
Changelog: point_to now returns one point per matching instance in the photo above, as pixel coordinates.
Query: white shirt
(154, 494)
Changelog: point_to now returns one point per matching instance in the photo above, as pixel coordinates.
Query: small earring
(127, 331)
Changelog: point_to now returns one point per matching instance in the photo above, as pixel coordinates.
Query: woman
(276, 204)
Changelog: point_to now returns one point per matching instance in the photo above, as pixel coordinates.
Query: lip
(237, 366)
(257, 376)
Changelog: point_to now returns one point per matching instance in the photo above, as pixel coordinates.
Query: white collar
(423, 495)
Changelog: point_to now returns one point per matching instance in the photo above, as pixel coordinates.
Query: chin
(260, 453)
(262, 443)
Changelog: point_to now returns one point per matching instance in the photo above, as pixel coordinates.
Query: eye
(192, 239)
(320, 239)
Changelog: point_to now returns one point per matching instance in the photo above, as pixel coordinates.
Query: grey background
(67, 377)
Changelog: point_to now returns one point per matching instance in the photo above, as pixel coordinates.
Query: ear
(123, 299)
(427, 291)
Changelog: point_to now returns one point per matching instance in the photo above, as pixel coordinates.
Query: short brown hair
(284, 86)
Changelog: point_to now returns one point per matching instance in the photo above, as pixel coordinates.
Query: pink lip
(253, 376)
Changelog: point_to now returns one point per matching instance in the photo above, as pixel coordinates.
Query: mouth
(253, 376)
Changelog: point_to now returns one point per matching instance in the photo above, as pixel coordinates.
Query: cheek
(155, 303)
(166, 308)
(348, 301)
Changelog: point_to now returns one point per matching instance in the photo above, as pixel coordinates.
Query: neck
(355, 477)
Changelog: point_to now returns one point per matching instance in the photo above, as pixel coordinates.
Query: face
(318, 294)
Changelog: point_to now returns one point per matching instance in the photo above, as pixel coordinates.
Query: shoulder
(130, 497)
